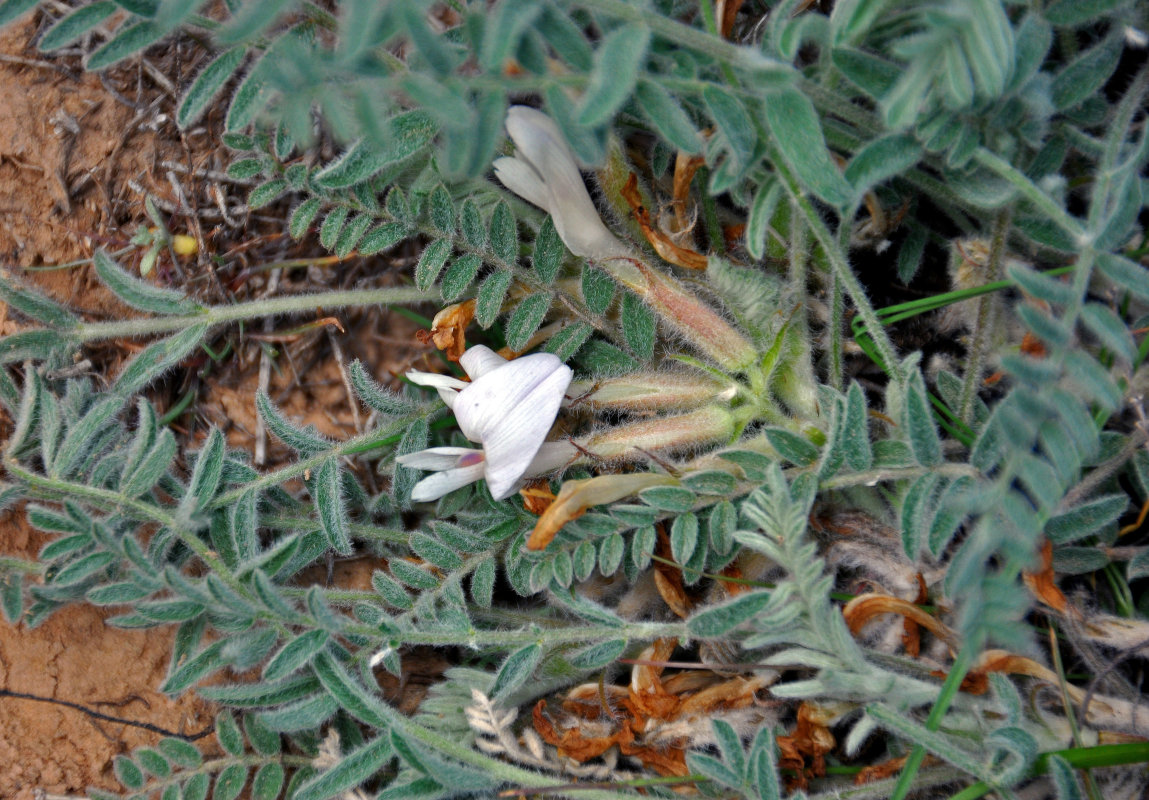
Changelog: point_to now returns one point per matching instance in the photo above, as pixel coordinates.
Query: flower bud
(631, 441)
(651, 391)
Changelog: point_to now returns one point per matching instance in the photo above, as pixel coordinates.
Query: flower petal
(521, 178)
(438, 484)
(511, 447)
(479, 360)
(540, 143)
(502, 393)
(436, 458)
(447, 387)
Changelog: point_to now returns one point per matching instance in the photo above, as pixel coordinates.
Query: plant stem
(984, 325)
(673, 31)
(841, 270)
(1044, 203)
(218, 315)
(949, 690)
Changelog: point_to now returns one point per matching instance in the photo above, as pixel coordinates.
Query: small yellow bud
(183, 245)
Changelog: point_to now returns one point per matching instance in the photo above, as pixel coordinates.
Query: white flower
(544, 172)
(509, 408)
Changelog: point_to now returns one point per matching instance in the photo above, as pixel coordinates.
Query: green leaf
(567, 341)
(152, 466)
(128, 773)
(1086, 74)
(920, 428)
(83, 568)
(227, 733)
(128, 41)
(252, 19)
(504, 29)
(304, 441)
(798, 450)
(332, 225)
(732, 120)
(713, 481)
(1086, 519)
(268, 782)
(329, 502)
(1125, 273)
(760, 217)
(404, 135)
(597, 289)
(303, 216)
(617, 61)
(526, 318)
(1138, 566)
(471, 224)
(504, 237)
(1075, 13)
(431, 263)
(548, 253)
(306, 714)
(516, 670)
(638, 326)
(668, 498)
(1042, 287)
(610, 553)
(207, 85)
(266, 193)
(71, 27)
(37, 306)
(351, 771)
(197, 786)
(1110, 330)
(83, 435)
(351, 234)
(31, 345)
(797, 132)
(382, 238)
(375, 396)
(190, 671)
(882, 159)
(683, 537)
(1090, 377)
(389, 589)
(598, 655)
(413, 575)
(434, 552)
(180, 752)
(666, 115)
(294, 654)
(208, 470)
(855, 441)
(483, 583)
(229, 782)
(489, 301)
(918, 505)
(11, 9)
(872, 74)
(442, 209)
(139, 294)
(1064, 778)
(713, 769)
(459, 276)
(352, 697)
